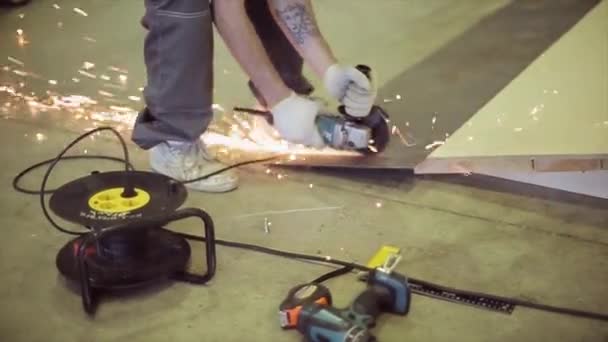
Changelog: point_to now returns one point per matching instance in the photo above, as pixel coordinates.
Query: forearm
(297, 20)
(241, 39)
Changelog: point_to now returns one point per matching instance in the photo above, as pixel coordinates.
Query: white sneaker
(184, 161)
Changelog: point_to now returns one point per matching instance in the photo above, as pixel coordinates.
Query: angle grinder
(368, 135)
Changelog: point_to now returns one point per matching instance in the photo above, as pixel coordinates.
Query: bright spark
(81, 12)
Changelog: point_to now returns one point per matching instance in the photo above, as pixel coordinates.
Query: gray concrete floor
(477, 234)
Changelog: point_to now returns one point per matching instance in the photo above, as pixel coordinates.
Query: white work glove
(351, 88)
(294, 119)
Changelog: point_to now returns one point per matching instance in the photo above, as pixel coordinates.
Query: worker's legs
(284, 57)
(179, 62)
(178, 54)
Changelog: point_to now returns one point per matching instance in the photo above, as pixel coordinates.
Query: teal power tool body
(319, 322)
(367, 135)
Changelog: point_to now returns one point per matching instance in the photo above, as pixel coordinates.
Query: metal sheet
(438, 95)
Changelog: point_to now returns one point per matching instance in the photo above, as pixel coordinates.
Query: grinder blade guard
(128, 245)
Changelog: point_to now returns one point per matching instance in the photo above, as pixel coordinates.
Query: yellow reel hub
(110, 201)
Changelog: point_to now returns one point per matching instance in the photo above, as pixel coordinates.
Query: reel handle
(209, 241)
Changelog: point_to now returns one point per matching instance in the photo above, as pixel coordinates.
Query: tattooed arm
(297, 20)
(345, 83)
(241, 39)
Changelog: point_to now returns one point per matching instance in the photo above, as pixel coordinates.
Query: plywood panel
(557, 107)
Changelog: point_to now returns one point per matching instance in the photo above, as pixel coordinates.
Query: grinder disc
(96, 201)
(157, 253)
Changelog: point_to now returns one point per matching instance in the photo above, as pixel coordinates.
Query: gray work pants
(178, 54)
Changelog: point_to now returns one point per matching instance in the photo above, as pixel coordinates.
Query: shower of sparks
(434, 144)
(118, 70)
(396, 131)
(20, 72)
(122, 109)
(20, 38)
(113, 86)
(537, 109)
(105, 93)
(87, 74)
(81, 12)
(242, 133)
(215, 106)
(16, 61)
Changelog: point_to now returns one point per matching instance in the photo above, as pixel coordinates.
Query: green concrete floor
(477, 234)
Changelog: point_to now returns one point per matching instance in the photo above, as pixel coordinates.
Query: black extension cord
(346, 266)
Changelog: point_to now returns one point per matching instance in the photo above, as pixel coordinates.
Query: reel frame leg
(210, 254)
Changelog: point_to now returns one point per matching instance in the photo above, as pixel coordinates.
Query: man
(270, 39)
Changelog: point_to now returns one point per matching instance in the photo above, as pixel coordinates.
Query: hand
(294, 119)
(352, 88)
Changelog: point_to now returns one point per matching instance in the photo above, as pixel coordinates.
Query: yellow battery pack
(382, 255)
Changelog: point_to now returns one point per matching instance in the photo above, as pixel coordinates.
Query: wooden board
(552, 117)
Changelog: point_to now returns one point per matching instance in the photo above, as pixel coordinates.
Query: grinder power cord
(124, 240)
